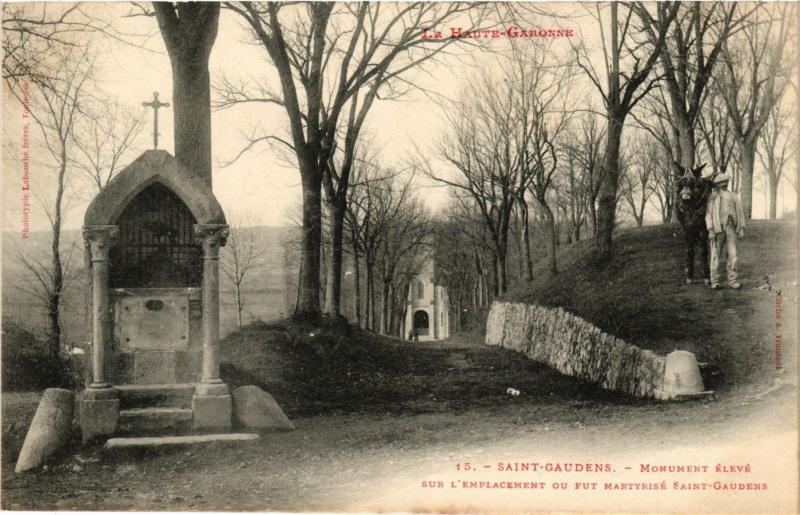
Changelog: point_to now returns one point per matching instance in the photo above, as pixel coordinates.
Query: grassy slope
(642, 296)
(312, 370)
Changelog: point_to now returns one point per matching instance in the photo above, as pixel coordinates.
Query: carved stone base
(211, 388)
(212, 412)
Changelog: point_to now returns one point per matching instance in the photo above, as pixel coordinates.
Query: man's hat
(723, 177)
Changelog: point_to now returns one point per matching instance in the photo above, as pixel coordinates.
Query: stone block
(50, 429)
(156, 321)
(188, 365)
(123, 370)
(99, 418)
(155, 367)
(256, 409)
(154, 442)
(159, 420)
(212, 412)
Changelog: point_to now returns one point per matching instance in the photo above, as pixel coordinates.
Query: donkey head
(691, 185)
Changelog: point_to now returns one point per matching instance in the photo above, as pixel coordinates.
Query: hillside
(642, 297)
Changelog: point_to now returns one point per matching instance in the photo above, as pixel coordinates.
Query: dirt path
(377, 462)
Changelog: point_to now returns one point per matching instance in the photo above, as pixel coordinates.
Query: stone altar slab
(151, 322)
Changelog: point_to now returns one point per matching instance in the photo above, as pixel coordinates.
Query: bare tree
(538, 101)
(244, 252)
(56, 108)
(34, 31)
(370, 213)
(365, 224)
(400, 250)
(388, 226)
(484, 163)
(458, 256)
(588, 153)
(623, 90)
(662, 184)
(332, 61)
(776, 149)
(576, 193)
(639, 180)
(696, 38)
(29, 33)
(465, 216)
(718, 133)
(754, 78)
(104, 136)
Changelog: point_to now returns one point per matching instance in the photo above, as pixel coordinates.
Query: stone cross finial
(155, 104)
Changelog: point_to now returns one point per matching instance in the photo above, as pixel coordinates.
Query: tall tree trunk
(518, 243)
(495, 275)
(299, 287)
(606, 214)
(238, 287)
(56, 268)
(191, 94)
(189, 31)
(357, 281)
(526, 242)
(747, 154)
(371, 309)
(485, 299)
(333, 289)
(593, 215)
(688, 147)
(367, 293)
(390, 310)
(773, 198)
(384, 323)
(502, 272)
(403, 314)
(551, 233)
(312, 235)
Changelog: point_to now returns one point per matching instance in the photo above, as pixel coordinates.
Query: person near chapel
(725, 221)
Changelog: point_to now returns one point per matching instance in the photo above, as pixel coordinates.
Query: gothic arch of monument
(151, 167)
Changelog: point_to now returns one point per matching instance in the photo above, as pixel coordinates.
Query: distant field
(265, 289)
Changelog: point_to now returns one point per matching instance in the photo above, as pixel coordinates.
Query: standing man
(725, 221)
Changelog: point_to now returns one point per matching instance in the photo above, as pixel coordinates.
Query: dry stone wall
(574, 347)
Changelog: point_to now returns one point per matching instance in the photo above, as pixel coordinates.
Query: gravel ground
(378, 462)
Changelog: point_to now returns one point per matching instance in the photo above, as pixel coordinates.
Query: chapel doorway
(421, 323)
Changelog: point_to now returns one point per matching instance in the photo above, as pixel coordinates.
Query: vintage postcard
(416, 257)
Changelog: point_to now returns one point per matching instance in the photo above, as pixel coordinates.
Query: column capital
(101, 239)
(211, 236)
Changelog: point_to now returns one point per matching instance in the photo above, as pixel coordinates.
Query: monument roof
(151, 167)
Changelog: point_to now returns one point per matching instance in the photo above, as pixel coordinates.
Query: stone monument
(153, 237)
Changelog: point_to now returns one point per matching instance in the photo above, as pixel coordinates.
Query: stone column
(100, 406)
(211, 402)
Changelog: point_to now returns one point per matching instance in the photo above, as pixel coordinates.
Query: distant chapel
(427, 316)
